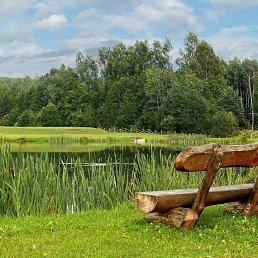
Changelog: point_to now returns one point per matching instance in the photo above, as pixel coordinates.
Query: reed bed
(38, 185)
(183, 140)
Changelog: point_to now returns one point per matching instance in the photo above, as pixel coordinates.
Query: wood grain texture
(252, 199)
(240, 206)
(212, 169)
(198, 158)
(184, 207)
(178, 217)
(163, 201)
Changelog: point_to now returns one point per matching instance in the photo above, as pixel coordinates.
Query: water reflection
(94, 152)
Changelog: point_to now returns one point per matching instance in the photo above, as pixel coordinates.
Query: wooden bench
(184, 207)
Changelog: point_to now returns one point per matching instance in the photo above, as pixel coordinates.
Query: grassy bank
(71, 134)
(124, 232)
(62, 135)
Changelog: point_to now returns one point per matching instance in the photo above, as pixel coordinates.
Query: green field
(84, 135)
(71, 134)
(109, 227)
(124, 232)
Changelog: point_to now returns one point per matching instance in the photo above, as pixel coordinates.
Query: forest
(140, 87)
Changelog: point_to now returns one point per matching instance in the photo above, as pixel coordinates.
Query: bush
(168, 123)
(49, 116)
(10, 118)
(25, 119)
(223, 124)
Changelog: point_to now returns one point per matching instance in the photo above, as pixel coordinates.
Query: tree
(229, 101)
(160, 55)
(199, 58)
(223, 124)
(25, 119)
(250, 77)
(123, 61)
(243, 78)
(156, 85)
(6, 102)
(185, 108)
(168, 123)
(40, 96)
(10, 118)
(87, 70)
(186, 59)
(131, 105)
(49, 116)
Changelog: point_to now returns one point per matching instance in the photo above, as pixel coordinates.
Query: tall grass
(39, 184)
(199, 139)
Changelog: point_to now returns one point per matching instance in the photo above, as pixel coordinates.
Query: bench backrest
(198, 158)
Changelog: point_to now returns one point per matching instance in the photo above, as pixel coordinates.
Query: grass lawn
(72, 133)
(124, 232)
(89, 134)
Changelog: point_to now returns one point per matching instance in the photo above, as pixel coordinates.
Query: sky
(37, 35)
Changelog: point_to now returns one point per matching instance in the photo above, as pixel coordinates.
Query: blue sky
(37, 35)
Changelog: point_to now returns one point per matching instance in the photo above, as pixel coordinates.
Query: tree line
(136, 87)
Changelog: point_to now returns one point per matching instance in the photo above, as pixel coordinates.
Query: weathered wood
(176, 217)
(240, 206)
(173, 207)
(164, 201)
(212, 169)
(252, 200)
(198, 158)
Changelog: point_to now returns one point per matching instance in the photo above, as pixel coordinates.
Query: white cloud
(173, 17)
(221, 7)
(13, 7)
(144, 19)
(235, 3)
(108, 3)
(232, 42)
(44, 8)
(53, 21)
(32, 60)
(7, 36)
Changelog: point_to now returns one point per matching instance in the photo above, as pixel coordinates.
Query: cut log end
(145, 203)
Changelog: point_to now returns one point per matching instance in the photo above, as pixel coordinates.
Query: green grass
(85, 135)
(39, 147)
(125, 232)
(71, 134)
(34, 220)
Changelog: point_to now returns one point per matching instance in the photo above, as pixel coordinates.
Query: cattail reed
(40, 184)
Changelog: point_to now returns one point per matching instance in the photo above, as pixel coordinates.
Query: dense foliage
(137, 87)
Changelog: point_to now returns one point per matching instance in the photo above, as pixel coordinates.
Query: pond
(46, 178)
(95, 152)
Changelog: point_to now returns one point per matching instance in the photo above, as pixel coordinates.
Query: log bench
(183, 207)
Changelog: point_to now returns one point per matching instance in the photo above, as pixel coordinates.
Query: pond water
(86, 176)
(95, 152)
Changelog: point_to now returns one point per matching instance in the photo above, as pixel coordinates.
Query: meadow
(124, 232)
(71, 134)
(48, 208)
(84, 135)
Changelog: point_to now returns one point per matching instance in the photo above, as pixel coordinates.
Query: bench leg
(248, 208)
(199, 202)
(252, 200)
(176, 217)
(186, 217)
